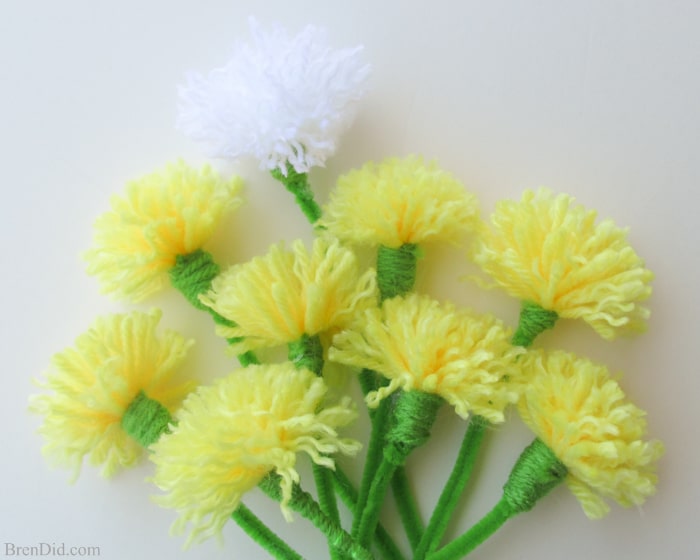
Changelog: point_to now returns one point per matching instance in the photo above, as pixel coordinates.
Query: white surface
(598, 99)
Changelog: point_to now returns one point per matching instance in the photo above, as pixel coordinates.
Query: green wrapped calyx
(396, 270)
(145, 419)
(307, 352)
(534, 319)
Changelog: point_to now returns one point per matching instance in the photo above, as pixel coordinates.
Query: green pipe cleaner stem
(307, 352)
(146, 419)
(192, 276)
(453, 489)
(407, 506)
(298, 184)
(396, 269)
(536, 473)
(533, 320)
(414, 416)
(348, 494)
(302, 503)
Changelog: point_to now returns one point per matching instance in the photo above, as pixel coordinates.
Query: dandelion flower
(419, 344)
(398, 202)
(279, 297)
(161, 216)
(92, 385)
(548, 251)
(283, 100)
(231, 434)
(582, 415)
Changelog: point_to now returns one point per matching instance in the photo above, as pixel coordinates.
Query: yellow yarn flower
(94, 383)
(231, 434)
(582, 415)
(549, 251)
(277, 298)
(397, 202)
(171, 212)
(419, 344)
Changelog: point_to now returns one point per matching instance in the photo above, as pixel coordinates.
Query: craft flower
(161, 216)
(277, 298)
(93, 384)
(419, 344)
(283, 100)
(582, 415)
(549, 251)
(231, 434)
(398, 202)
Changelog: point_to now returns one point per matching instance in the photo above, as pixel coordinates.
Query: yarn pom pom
(161, 216)
(231, 434)
(283, 100)
(93, 384)
(548, 251)
(399, 201)
(582, 415)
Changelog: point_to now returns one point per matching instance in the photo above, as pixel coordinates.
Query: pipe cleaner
(285, 100)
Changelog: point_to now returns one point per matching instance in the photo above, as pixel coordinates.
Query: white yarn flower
(283, 100)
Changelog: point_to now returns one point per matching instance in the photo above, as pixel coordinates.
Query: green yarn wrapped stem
(453, 489)
(192, 276)
(396, 270)
(306, 352)
(536, 473)
(534, 319)
(302, 503)
(145, 419)
(298, 184)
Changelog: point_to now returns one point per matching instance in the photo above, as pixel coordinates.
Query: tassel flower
(230, 435)
(167, 214)
(420, 344)
(277, 298)
(550, 253)
(582, 415)
(118, 361)
(283, 99)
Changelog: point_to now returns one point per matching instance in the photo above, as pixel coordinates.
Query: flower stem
(192, 276)
(407, 506)
(396, 270)
(298, 184)
(461, 472)
(302, 503)
(536, 472)
(263, 535)
(534, 319)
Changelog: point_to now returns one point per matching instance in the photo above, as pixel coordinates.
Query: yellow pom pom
(399, 201)
(277, 298)
(171, 212)
(582, 415)
(419, 344)
(93, 384)
(230, 435)
(548, 251)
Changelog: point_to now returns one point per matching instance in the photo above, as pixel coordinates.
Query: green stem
(307, 352)
(396, 270)
(192, 276)
(302, 503)
(146, 419)
(348, 493)
(461, 472)
(533, 320)
(298, 184)
(408, 508)
(369, 516)
(263, 535)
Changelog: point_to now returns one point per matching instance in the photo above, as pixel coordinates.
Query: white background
(598, 99)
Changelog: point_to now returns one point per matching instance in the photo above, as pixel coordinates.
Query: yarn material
(400, 201)
(420, 344)
(277, 298)
(145, 419)
(307, 352)
(244, 426)
(409, 511)
(172, 211)
(91, 385)
(298, 184)
(547, 250)
(263, 535)
(533, 321)
(282, 99)
(583, 416)
(396, 270)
